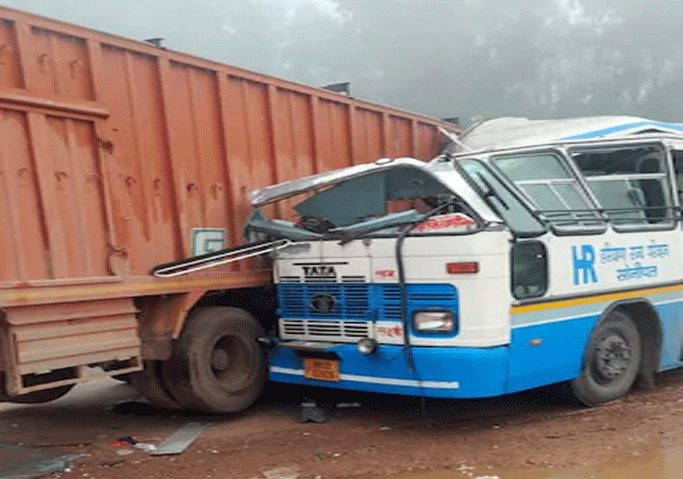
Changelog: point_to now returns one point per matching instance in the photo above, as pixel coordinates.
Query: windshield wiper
(490, 193)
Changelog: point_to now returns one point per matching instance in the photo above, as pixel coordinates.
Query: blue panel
(362, 301)
(558, 358)
(479, 372)
(671, 316)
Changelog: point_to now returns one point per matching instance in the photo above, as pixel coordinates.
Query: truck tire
(217, 364)
(39, 397)
(150, 386)
(611, 361)
(124, 378)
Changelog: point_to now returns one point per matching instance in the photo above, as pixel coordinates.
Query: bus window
(678, 173)
(550, 187)
(629, 182)
(501, 200)
(529, 269)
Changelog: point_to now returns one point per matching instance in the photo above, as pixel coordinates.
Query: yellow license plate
(321, 369)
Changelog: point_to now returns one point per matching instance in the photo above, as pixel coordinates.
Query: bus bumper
(439, 371)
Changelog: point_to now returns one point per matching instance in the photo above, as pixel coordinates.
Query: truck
(117, 156)
(529, 253)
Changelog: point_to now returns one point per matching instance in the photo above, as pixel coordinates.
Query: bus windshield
(518, 218)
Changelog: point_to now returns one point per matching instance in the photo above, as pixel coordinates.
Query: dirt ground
(383, 437)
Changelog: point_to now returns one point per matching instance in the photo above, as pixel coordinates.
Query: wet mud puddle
(665, 462)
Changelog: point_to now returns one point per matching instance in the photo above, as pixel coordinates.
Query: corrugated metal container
(113, 151)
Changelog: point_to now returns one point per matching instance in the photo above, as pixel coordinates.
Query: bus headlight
(366, 346)
(434, 321)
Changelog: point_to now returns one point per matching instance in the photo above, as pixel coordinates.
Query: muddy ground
(383, 437)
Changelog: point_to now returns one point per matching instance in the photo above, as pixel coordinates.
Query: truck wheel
(611, 361)
(148, 383)
(124, 378)
(39, 397)
(217, 364)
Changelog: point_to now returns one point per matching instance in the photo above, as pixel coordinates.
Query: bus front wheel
(611, 361)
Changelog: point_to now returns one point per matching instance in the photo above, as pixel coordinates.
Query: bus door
(670, 359)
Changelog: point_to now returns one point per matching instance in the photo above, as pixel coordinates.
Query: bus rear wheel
(217, 365)
(611, 361)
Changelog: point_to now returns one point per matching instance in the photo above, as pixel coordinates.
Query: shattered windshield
(381, 201)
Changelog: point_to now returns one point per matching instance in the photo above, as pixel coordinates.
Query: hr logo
(583, 262)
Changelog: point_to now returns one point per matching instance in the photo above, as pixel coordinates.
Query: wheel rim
(612, 358)
(231, 362)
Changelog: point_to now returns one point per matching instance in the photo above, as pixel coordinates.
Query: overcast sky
(467, 58)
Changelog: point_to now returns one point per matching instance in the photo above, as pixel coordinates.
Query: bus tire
(217, 364)
(149, 385)
(611, 361)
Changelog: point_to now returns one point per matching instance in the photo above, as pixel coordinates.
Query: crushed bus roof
(522, 132)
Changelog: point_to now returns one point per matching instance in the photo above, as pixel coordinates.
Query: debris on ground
(177, 442)
(63, 444)
(310, 412)
(145, 447)
(114, 463)
(19, 462)
(124, 441)
(281, 473)
(348, 405)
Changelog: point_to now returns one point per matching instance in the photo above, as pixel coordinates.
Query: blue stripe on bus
(625, 126)
(445, 372)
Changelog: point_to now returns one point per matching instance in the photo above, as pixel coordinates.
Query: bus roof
(521, 132)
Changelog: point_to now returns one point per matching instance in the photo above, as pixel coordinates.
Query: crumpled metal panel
(309, 183)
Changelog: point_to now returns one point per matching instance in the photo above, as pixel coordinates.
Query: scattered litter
(348, 405)
(385, 428)
(124, 451)
(124, 442)
(336, 454)
(18, 462)
(145, 447)
(65, 444)
(114, 463)
(320, 455)
(310, 412)
(134, 408)
(487, 477)
(180, 440)
(281, 473)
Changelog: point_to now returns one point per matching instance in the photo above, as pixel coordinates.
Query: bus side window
(678, 173)
(629, 182)
(529, 269)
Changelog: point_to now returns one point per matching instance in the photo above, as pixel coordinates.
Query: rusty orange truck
(117, 156)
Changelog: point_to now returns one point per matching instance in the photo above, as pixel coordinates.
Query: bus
(528, 253)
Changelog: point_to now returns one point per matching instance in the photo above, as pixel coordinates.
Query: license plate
(321, 369)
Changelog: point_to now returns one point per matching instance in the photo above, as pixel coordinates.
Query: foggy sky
(446, 58)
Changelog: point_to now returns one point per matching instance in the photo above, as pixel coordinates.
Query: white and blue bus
(532, 253)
